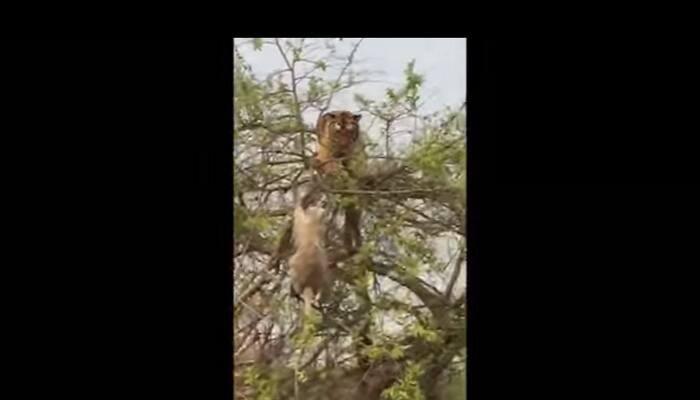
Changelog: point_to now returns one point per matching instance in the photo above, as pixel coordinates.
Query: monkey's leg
(356, 226)
(308, 296)
(351, 230)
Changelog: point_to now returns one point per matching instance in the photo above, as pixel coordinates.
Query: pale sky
(442, 62)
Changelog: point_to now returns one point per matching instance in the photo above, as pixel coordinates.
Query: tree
(394, 323)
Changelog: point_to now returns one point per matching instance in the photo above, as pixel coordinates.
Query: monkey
(309, 263)
(339, 139)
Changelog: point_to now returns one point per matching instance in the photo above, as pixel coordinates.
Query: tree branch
(340, 76)
(407, 192)
(434, 301)
(455, 272)
(300, 119)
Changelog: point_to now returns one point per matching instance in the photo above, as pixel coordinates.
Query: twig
(387, 192)
(300, 120)
(432, 299)
(318, 352)
(273, 264)
(340, 76)
(430, 219)
(246, 305)
(249, 339)
(284, 188)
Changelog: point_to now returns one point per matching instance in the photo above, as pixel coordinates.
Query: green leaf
(396, 352)
(374, 352)
(408, 387)
(257, 43)
(392, 95)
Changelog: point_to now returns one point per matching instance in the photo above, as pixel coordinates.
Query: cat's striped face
(344, 127)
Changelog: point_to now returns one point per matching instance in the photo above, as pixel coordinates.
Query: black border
(119, 174)
(119, 159)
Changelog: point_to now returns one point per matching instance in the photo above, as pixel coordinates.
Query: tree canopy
(394, 323)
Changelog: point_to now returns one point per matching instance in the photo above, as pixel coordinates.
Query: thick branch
(432, 299)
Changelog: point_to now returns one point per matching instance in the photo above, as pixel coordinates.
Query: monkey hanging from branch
(341, 147)
(309, 263)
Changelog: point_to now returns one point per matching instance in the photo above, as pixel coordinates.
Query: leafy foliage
(393, 319)
(407, 388)
(265, 387)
